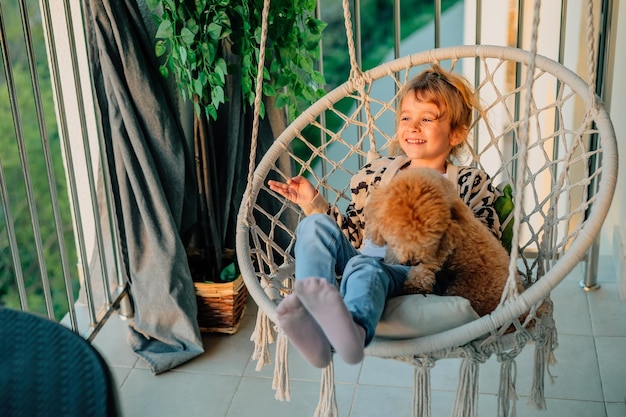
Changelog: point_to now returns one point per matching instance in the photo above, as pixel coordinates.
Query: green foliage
(193, 35)
(504, 206)
(229, 273)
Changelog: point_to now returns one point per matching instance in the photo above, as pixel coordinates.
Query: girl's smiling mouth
(415, 141)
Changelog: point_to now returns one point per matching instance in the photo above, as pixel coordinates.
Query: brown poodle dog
(425, 224)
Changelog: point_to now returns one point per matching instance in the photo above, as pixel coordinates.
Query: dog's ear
(459, 211)
(458, 215)
(456, 212)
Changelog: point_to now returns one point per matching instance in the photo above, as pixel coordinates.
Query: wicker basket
(221, 305)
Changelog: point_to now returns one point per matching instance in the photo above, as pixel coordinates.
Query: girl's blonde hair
(454, 96)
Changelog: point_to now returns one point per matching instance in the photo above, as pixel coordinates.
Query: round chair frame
(564, 200)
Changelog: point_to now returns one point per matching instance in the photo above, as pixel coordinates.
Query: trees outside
(11, 162)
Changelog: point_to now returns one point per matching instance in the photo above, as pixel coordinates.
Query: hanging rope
(258, 95)
(511, 288)
(359, 80)
(263, 332)
(591, 49)
(355, 71)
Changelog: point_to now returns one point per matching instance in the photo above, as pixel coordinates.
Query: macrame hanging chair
(558, 154)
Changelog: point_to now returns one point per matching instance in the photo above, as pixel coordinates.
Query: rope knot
(423, 361)
(357, 81)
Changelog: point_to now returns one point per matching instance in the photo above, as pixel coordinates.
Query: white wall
(79, 113)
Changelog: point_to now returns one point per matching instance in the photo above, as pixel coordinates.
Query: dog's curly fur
(425, 224)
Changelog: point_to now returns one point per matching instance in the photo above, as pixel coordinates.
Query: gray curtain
(152, 178)
(168, 201)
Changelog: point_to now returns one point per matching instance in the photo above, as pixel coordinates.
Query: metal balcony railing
(54, 261)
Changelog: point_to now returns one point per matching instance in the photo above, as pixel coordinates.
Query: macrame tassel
(262, 336)
(536, 397)
(421, 387)
(552, 342)
(507, 395)
(545, 345)
(466, 401)
(327, 405)
(281, 369)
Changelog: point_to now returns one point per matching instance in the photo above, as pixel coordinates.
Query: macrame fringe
(262, 336)
(466, 401)
(507, 394)
(281, 369)
(536, 397)
(552, 342)
(543, 358)
(421, 387)
(327, 405)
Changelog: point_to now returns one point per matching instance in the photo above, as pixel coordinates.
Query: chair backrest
(48, 370)
(569, 177)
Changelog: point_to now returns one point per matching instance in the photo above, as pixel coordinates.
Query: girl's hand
(298, 189)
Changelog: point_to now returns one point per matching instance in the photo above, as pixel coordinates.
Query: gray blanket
(152, 181)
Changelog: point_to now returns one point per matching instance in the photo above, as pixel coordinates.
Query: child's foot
(326, 305)
(303, 331)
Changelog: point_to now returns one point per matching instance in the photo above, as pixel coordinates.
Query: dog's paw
(419, 281)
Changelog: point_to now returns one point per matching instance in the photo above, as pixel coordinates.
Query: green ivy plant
(192, 36)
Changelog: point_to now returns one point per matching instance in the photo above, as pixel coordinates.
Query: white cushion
(416, 315)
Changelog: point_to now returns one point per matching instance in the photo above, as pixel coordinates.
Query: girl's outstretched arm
(298, 190)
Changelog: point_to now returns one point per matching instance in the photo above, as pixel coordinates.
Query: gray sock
(323, 301)
(303, 331)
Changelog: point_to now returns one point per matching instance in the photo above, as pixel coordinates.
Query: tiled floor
(590, 373)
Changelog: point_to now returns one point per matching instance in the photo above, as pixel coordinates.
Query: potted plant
(211, 49)
(221, 299)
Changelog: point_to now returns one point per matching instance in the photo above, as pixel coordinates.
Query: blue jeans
(322, 250)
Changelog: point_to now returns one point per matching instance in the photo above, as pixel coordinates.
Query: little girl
(432, 125)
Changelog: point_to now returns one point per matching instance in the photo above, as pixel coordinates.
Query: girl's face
(424, 133)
